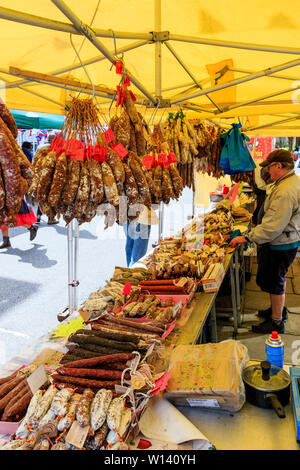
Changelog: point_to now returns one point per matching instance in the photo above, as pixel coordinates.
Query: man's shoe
(33, 231)
(266, 314)
(5, 244)
(268, 326)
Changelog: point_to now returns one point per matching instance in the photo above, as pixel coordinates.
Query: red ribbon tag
(127, 288)
(108, 135)
(100, 154)
(119, 67)
(161, 383)
(75, 149)
(126, 82)
(120, 150)
(172, 157)
(163, 160)
(58, 145)
(79, 154)
(171, 328)
(132, 95)
(148, 161)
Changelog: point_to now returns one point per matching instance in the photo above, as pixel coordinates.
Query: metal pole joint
(160, 36)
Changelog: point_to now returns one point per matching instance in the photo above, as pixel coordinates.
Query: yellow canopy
(220, 60)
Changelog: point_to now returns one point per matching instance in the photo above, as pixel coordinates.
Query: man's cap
(278, 156)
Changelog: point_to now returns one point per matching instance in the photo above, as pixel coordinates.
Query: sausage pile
(16, 172)
(51, 414)
(15, 396)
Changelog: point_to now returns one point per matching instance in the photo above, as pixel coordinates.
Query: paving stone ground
(253, 300)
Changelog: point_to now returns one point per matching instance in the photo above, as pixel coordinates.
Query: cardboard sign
(77, 434)
(37, 379)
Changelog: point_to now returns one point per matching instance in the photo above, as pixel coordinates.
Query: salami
(83, 193)
(116, 165)
(99, 408)
(110, 187)
(13, 396)
(45, 177)
(108, 359)
(58, 181)
(100, 436)
(96, 373)
(19, 408)
(144, 192)
(11, 174)
(85, 382)
(97, 189)
(72, 182)
(122, 129)
(8, 386)
(131, 189)
(8, 118)
(83, 407)
(2, 197)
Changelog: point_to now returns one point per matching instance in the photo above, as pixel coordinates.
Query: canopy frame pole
(233, 44)
(247, 103)
(158, 85)
(121, 50)
(41, 22)
(168, 45)
(238, 81)
(34, 20)
(43, 79)
(90, 35)
(32, 92)
(271, 76)
(271, 124)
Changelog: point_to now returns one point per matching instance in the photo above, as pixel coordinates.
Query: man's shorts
(272, 268)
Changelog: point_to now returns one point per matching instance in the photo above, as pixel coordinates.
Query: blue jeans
(137, 238)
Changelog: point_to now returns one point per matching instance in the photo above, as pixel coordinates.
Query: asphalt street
(34, 275)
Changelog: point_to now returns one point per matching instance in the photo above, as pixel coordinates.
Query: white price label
(37, 379)
(203, 402)
(77, 435)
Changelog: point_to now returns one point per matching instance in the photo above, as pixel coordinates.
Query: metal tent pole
(70, 268)
(41, 22)
(233, 44)
(75, 266)
(158, 81)
(274, 123)
(167, 44)
(265, 97)
(94, 60)
(89, 33)
(238, 81)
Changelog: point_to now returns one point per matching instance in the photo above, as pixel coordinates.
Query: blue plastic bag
(235, 156)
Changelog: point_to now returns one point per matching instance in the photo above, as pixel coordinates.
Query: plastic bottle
(275, 349)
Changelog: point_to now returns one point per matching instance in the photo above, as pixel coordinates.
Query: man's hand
(237, 241)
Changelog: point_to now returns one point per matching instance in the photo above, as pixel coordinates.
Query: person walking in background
(277, 237)
(27, 149)
(138, 234)
(27, 219)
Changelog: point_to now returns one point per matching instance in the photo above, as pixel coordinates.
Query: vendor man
(277, 237)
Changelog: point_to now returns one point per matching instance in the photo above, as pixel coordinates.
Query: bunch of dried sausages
(16, 172)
